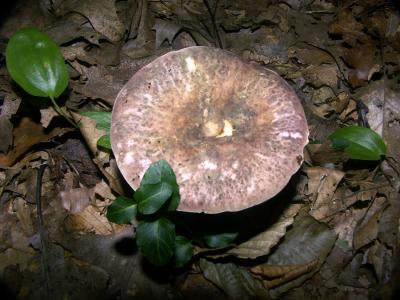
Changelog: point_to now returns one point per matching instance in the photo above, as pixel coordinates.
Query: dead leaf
(91, 220)
(262, 243)
(367, 230)
(315, 241)
(347, 26)
(76, 200)
(322, 75)
(165, 30)
(236, 282)
(310, 55)
(72, 27)
(364, 61)
(322, 184)
(26, 135)
(101, 14)
(7, 109)
(281, 274)
(47, 114)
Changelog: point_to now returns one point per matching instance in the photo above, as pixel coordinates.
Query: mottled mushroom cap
(233, 132)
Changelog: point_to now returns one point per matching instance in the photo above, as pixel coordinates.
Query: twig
(42, 233)
(214, 23)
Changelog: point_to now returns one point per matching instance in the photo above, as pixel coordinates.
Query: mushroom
(233, 132)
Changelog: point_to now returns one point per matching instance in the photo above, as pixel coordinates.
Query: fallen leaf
(279, 275)
(46, 115)
(8, 108)
(262, 243)
(26, 135)
(76, 200)
(322, 75)
(101, 14)
(322, 184)
(236, 282)
(367, 230)
(315, 241)
(165, 30)
(310, 55)
(364, 61)
(347, 26)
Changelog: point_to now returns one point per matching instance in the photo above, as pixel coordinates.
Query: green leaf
(220, 240)
(103, 143)
(102, 118)
(156, 240)
(35, 62)
(122, 210)
(359, 143)
(150, 197)
(183, 251)
(161, 171)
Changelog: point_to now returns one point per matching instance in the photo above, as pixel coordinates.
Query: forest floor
(333, 233)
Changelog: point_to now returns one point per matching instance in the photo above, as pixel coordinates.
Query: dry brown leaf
(364, 61)
(8, 108)
(165, 30)
(91, 220)
(101, 14)
(46, 115)
(262, 243)
(310, 55)
(322, 184)
(367, 230)
(76, 200)
(26, 135)
(282, 274)
(322, 75)
(347, 26)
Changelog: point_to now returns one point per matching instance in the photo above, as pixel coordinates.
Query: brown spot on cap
(233, 132)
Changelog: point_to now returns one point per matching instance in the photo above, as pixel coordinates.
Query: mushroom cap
(233, 132)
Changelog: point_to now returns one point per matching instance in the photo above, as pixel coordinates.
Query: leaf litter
(336, 231)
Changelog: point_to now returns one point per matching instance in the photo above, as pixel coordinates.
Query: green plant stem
(61, 113)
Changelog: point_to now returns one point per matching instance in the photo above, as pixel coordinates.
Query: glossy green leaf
(220, 240)
(183, 251)
(359, 143)
(35, 62)
(102, 118)
(161, 171)
(122, 210)
(150, 197)
(103, 143)
(156, 240)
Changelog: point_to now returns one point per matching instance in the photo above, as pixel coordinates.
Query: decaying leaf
(236, 282)
(277, 275)
(262, 243)
(315, 241)
(322, 184)
(8, 108)
(91, 220)
(47, 114)
(165, 30)
(101, 14)
(367, 230)
(76, 200)
(26, 135)
(347, 26)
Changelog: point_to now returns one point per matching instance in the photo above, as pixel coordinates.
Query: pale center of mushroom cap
(218, 129)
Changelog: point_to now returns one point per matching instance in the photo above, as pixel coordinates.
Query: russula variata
(233, 132)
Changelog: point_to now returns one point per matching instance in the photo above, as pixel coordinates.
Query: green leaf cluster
(157, 195)
(103, 122)
(359, 143)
